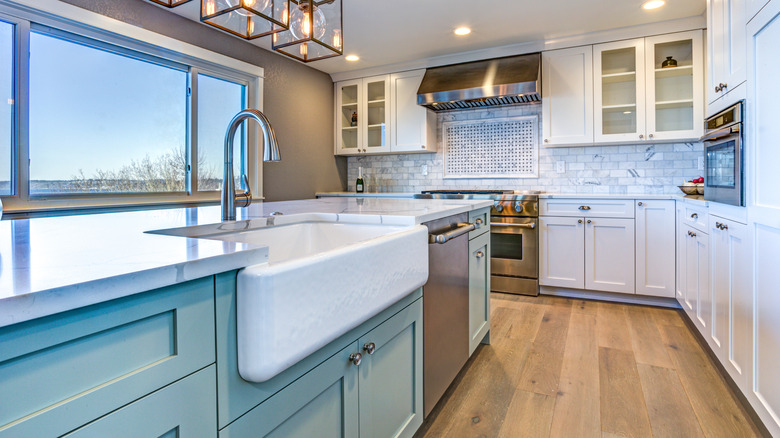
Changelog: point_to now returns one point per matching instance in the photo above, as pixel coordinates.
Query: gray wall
(298, 100)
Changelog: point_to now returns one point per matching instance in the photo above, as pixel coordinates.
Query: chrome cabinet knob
(356, 358)
(640, 204)
(651, 135)
(479, 222)
(579, 221)
(641, 136)
(590, 221)
(480, 254)
(546, 140)
(718, 225)
(584, 207)
(724, 227)
(694, 216)
(369, 348)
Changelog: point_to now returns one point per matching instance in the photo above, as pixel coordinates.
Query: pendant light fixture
(315, 31)
(170, 3)
(248, 19)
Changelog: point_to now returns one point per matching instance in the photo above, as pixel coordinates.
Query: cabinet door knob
(579, 221)
(584, 207)
(590, 221)
(651, 135)
(724, 227)
(369, 348)
(546, 140)
(356, 358)
(640, 204)
(479, 221)
(480, 254)
(718, 225)
(422, 147)
(641, 136)
(694, 216)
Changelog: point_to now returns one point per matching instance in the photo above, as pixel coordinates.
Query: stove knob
(518, 207)
(498, 207)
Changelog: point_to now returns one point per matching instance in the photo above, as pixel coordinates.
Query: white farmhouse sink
(322, 280)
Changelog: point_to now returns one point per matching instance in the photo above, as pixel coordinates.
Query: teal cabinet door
(391, 403)
(479, 290)
(184, 409)
(323, 403)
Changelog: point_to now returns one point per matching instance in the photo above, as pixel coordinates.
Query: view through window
(6, 105)
(104, 122)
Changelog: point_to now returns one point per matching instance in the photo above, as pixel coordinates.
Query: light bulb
(209, 7)
(304, 50)
(257, 5)
(302, 21)
(337, 38)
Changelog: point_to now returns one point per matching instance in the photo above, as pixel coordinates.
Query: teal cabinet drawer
(480, 218)
(63, 371)
(323, 403)
(391, 398)
(184, 409)
(479, 290)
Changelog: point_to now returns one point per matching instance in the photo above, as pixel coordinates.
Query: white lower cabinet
(579, 253)
(730, 336)
(609, 255)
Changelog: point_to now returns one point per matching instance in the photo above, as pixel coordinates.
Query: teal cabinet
(183, 409)
(60, 372)
(479, 290)
(391, 403)
(377, 395)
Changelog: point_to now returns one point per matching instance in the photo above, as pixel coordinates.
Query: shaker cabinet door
(562, 252)
(567, 96)
(609, 255)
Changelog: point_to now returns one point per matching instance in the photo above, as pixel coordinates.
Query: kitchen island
(104, 324)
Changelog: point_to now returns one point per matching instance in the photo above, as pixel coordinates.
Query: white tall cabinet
(763, 196)
(725, 51)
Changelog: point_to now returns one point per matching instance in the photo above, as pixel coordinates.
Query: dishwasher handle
(462, 229)
(531, 225)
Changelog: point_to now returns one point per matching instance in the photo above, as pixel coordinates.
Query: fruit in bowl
(693, 187)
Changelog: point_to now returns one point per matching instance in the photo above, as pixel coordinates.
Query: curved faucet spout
(270, 153)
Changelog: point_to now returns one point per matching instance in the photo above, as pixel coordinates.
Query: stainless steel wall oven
(723, 157)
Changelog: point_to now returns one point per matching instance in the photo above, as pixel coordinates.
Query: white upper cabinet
(619, 91)
(675, 94)
(645, 89)
(726, 47)
(567, 96)
(412, 127)
(380, 115)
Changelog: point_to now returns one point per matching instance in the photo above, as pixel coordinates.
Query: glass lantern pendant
(246, 18)
(170, 3)
(315, 31)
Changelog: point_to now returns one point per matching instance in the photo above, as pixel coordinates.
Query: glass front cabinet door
(619, 93)
(675, 92)
(362, 109)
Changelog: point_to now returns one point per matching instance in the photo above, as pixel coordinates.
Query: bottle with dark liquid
(359, 182)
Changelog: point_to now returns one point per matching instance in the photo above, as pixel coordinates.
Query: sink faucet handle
(244, 198)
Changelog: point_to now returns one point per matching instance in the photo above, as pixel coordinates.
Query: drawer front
(618, 208)
(480, 218)
(696, 217)
(63, 371)
(186, 408)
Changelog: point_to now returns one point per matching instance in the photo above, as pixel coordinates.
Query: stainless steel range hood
(500, 81)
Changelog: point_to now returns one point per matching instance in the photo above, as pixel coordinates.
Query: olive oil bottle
(359, 182)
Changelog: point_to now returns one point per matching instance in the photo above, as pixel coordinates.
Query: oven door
(723, 165)
(513, 246)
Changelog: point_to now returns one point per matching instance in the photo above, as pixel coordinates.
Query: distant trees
(163, 173)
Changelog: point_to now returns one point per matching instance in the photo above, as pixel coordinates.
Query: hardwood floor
(561, 367)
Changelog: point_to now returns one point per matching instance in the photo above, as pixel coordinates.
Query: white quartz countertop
(366, 195)
(50, 265)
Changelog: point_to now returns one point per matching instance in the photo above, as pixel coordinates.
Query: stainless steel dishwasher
(445, 306)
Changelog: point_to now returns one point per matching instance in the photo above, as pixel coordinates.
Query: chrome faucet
(270, 153)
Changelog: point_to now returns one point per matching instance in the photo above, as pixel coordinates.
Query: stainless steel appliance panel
(445, 308)
(723, 157)
(514, 246)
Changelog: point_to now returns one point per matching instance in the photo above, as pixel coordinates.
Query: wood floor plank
(529, 415)
(585, 306)
(612, 327)
(668, 407)
(575, 407)
(645, 338)
(622, 403)
(716, 407)
(542, 371)
(665, 316)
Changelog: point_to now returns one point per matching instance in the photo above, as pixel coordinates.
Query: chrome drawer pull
(480, 254)
(502, 224)
(445, 237)
(584, 207)
(694, 216)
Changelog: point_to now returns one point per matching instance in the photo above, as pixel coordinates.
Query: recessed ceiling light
(352, 57)
(653, 4)
(462, 31)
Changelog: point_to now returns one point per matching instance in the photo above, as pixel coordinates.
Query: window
(6, 105)
(111, 119)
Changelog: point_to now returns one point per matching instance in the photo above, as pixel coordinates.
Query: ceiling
(401, 31)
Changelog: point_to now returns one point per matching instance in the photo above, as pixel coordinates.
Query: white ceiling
(385, 32)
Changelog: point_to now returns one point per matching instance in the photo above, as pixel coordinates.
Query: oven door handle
(715, 135)
(503, 224)
(462, 229)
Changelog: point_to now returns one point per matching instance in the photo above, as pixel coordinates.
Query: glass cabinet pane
(618, 91)
(673, 76)
(349, 116)
(6, 104)
(376, 117)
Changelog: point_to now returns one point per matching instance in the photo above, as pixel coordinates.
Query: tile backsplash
(620, 169)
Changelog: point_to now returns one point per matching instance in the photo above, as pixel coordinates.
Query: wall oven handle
(502, 224)
(725, 132)
(462, 229)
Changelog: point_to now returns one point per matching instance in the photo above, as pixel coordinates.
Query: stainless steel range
(514, 239)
